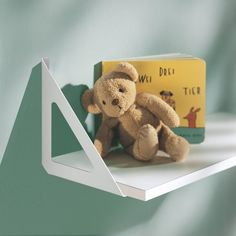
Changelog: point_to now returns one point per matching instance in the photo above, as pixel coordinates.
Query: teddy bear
(143, 120)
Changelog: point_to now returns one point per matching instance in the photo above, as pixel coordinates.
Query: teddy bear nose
(115, 102)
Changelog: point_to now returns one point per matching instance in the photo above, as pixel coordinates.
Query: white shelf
(145, 181)
(120, 173)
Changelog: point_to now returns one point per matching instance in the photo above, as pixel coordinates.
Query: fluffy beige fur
(143, 120)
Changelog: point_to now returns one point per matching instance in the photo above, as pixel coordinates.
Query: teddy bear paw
(178, 148)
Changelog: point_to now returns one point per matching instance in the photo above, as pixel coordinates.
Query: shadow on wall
(63, 139)
(34, 202)
(211, 222)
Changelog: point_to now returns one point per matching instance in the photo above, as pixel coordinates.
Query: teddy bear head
(113, 93)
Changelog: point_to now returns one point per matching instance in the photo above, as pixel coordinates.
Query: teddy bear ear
(89, 103)
(128, 69)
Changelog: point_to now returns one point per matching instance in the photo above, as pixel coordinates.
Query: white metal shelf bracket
(99, 176)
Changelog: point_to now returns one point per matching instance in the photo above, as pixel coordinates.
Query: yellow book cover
(179, 80)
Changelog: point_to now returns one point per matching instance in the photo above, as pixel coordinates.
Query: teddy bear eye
(103, 102)
(121, 90)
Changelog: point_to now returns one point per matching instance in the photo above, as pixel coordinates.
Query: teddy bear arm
(104, 136)
(159, 108)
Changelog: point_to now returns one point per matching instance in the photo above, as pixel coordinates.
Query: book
(179, 79)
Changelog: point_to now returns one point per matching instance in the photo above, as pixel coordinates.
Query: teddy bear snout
(115, 102)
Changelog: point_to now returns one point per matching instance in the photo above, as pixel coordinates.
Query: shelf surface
(145, 181)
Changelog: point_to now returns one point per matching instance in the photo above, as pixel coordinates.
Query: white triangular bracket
(99, 176)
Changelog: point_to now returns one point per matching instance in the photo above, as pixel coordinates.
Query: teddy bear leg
(146, 145)
(176, 146)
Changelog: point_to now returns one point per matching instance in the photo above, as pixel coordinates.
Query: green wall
(75, 35)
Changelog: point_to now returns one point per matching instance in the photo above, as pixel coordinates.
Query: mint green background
(63, 138)
(75, 35)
